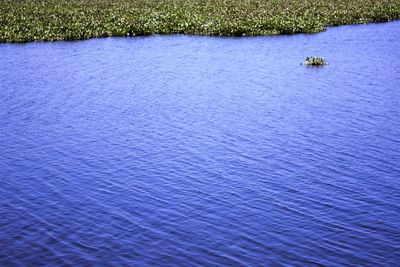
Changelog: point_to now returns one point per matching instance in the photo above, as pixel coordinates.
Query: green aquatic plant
(315, 61)
(51, 20)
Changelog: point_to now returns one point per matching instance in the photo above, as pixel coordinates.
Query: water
(197, 151)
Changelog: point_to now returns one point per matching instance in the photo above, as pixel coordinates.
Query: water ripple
(195, 151)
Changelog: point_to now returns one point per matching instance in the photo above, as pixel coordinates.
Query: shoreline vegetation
(53, 20)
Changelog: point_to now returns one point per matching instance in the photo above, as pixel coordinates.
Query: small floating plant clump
(315, 61)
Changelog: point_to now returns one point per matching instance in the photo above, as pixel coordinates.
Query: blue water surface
(199, 151)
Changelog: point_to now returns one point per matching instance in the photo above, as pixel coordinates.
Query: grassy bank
(34, 20)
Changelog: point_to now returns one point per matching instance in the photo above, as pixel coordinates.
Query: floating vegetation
(51, 20)
(315, 61)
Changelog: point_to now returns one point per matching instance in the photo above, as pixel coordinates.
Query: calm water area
(202, 151)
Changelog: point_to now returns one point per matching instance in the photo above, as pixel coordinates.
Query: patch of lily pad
(52, 20)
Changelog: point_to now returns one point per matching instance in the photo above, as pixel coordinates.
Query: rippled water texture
(198, 151)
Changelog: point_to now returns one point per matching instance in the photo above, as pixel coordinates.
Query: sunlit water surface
(199, 151)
